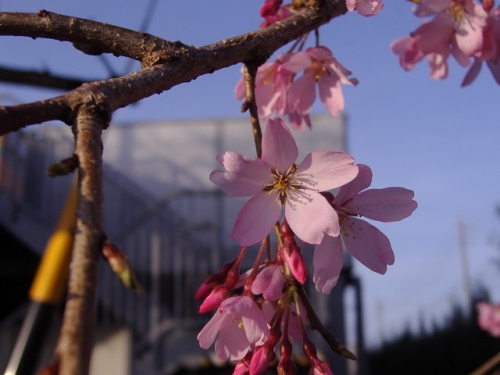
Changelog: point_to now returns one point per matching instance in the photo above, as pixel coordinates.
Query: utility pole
(462, 245)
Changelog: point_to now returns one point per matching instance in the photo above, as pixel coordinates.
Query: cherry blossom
(237, 326)
(456, 29)
(365, 242)
(324, 70)
(276, 182)
(489, 318)
(269, 282)
(365, 7)
(490, 52)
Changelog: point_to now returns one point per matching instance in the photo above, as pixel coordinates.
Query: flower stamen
(283, 184)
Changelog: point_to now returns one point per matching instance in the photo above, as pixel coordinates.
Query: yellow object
(50, 280)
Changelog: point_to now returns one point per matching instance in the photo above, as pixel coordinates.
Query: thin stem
(75, 341)
(249, 74)
(316, 324)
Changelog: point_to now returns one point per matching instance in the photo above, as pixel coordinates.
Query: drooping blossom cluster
(265, 308)
(361, 239)
(273, 10)
(279, 88)
(287, 86)
(489, 318)
(464, 29)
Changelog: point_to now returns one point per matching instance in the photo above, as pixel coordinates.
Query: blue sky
(433, 137)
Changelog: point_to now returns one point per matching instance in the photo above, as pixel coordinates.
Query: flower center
(283, 184)
(317, 69)
(456, 11)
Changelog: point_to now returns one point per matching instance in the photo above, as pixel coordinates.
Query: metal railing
(172, 243)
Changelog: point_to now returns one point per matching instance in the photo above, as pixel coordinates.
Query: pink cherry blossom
(324, 70)
(456, 29)
(237, 327)
(270, 7)
(490, 52)
(489, 318)
(276, 182)
(269, 282)
(272, 82)
(365, 7)
(365, 242)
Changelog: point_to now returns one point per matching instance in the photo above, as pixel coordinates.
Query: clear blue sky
(435, 138)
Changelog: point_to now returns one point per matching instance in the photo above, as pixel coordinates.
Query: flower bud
(214, 299)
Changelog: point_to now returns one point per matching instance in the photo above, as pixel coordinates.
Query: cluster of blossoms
(489, 318)
(280, 90)
(465, 29)
(266, 305)
(273, 10)
(265, 310)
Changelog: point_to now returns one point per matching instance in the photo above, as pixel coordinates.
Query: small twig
(64, 167)
(336, 345)
(40, 79)
(488, 367)
(249, 73)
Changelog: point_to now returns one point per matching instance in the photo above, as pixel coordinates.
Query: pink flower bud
(296, 262)
(270, 8)
(205, 289)
(214, 299)
(321, 368)
(261, 359)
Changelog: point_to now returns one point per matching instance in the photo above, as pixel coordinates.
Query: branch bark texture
(165, 64)
(75, 342)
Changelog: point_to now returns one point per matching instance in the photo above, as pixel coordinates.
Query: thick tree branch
(75, 342)
(99, 37)
(181, 64)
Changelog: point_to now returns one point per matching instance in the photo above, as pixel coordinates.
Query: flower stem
(250, 71)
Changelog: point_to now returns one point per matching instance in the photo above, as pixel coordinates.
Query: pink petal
(469, 36)
(367, 244)
(311, 217)
(269, 282)
(330, 93)
(369, 8)
(209, 332)
(495, 70)
(279, 149)
(473, 72)
(302, 94)
(325, 170)
(430, 7)
(296, 62)
(320, 53)
(435, 36)
(232, 342)
(386, 205)
(255, 325)
(239, 90)
(327, 262)
(362, 181)
(351, 5)
(256, 219)
(438, 65)
(244, 176)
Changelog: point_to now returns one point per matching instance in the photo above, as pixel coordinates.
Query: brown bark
(166, 64)
(75, 341)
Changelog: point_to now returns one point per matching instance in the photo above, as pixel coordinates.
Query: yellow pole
(50, 280)
(47, 290)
